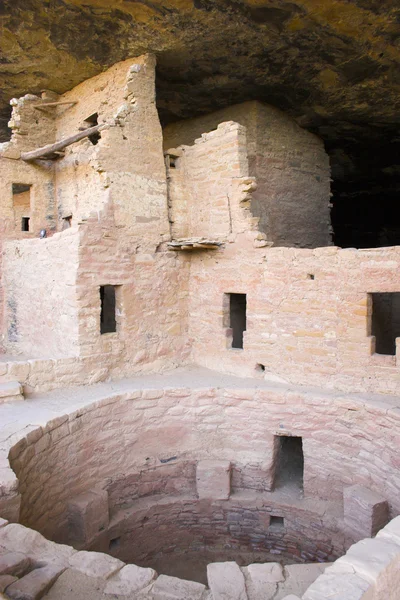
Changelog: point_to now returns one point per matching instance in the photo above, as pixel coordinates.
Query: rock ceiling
(332, 64)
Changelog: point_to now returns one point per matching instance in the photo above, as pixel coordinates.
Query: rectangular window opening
(108, 322)
(276, 523)
(21, 194)
(385, 324)
(237, 318)
(67, 222)
(91, 122)
(289, 462)
(25, 224)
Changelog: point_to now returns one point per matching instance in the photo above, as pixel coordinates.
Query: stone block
(262, 580)
(34, 585)
(95, 564)
(18, 538)
(298, 578)
(14, 563)
(213, 479)
(129, 579)
(10, 391)
(87, 517)
(365, 511)
(334, 587)
(391, 532)
(172, 588)
(226, 581)
(370, 558)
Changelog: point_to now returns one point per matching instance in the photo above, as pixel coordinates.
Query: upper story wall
(207, 184)
(125, 167)
(291, 169)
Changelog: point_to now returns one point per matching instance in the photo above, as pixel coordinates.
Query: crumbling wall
(125, 166)
(114, 195)
(290, 166)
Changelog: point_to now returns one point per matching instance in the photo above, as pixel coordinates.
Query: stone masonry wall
(308, 314)
(179, 527)
(121, 435)
(204, 184)
(114, 194)
(290, 166)
(369, 570)
(151, 303)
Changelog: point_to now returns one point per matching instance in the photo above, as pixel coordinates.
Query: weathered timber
(52, 148)
(46, 104)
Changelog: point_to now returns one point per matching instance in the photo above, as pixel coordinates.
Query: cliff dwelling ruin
(199, 387)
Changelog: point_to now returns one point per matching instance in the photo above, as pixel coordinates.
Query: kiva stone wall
(31, 564)
(346, 440)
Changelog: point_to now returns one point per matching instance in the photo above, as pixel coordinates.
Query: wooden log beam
(46, 104)
(51, 148)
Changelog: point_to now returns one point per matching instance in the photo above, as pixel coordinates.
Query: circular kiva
(175, 478)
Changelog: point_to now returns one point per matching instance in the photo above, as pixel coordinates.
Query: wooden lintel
(47, 104)
(53, 148)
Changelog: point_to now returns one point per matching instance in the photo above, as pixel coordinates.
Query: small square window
(277, 523)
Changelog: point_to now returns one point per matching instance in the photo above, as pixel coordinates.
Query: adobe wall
(308, 314)
(290, 166)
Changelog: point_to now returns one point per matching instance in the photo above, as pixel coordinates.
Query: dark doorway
(289, 462)
(107, 313)
(237, 316)
(91, 122)
(385, 321)
(25, 224)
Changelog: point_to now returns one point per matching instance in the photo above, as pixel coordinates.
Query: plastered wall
(41, 311)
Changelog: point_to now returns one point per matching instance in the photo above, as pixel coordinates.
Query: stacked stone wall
(346, 440)
(204, 185)
(309, 314)
(291, 167)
